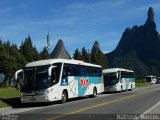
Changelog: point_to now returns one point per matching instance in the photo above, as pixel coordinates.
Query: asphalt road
(125, 105)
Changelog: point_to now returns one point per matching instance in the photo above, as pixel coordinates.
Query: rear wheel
(131, 88)
(64, 97)
(94, 93)
(121, 89)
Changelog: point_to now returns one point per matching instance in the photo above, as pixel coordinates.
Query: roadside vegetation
(142, 83)
(7, 93)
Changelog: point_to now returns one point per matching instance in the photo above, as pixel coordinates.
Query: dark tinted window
(79, 70)
(125, 74)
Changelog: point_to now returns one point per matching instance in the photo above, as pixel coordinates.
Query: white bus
(151, 79)
(118, 79)
(59, 79)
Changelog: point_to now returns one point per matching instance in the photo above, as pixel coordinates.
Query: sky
(79, 23)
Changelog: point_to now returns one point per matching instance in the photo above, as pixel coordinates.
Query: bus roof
(52, 61)
(150, 76)
(115, 70)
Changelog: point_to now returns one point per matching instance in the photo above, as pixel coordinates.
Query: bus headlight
(47, 91)
(46, 97)
(22, 100)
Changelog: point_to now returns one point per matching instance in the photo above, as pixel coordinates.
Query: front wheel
(64, 97)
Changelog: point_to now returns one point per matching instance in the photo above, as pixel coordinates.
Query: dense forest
(13, 57)
(96, 56)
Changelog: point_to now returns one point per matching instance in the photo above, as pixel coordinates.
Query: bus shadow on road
(16, 103)
(114, 92)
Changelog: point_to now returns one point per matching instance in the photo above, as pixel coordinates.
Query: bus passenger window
(54, 75)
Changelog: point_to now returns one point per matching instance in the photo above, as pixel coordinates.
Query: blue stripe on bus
(130, 80)
(82, 87)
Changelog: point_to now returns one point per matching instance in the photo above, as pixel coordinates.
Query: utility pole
(48, 43)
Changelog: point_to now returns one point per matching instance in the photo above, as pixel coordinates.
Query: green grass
(10, 92)
(141, 83)
(6, 93)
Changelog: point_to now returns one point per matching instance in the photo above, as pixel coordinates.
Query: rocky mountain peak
(60, 51)
(150, 15)
(150, 20)
(95, 47)
(140, 46)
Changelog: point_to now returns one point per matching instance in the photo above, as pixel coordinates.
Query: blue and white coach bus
(118, 79)
(59, 79)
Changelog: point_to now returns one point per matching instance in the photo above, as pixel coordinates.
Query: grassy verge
(141, 83)
(7, 93)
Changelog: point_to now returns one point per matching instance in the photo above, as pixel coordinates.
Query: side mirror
(16, 74)
(14, 79)
(117, 75)
(50, 70)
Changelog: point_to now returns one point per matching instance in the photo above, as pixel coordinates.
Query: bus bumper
(110, 89)
(39, 98)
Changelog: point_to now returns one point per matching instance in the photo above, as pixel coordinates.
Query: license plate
(33, 99)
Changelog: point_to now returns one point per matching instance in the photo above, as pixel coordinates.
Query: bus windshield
(110, 79)
(35, 78)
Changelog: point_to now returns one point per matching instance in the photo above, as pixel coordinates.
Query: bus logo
(84, 82)
(127, 81)
(64, 82)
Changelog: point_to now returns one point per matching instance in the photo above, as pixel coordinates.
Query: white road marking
(150, 110)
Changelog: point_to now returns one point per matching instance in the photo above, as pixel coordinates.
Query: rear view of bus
(118, 79)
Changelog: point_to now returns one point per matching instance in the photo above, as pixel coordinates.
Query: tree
(45, 54)
(85, 55)
(99, 58)
(29, 52)
(77, 55)
(36, 55)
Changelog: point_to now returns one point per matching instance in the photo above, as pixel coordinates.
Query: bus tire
(64, 97)
(131, 88)
(94, 92)
(121, 89)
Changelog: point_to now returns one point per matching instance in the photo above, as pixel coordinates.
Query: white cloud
(61, 22)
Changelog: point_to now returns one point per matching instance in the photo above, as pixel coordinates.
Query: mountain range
(138, 49)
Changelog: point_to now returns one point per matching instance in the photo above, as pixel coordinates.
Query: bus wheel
(94, 93)
(121, 89)
(64, 97)
(131, 88)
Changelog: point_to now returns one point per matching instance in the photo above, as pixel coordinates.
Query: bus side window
(77, 70)
(89, 71)
(73, 70)
(81, 71)
(121, 75)
(94, 73)
(99, 72)
(66, 71)
(54, 76)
